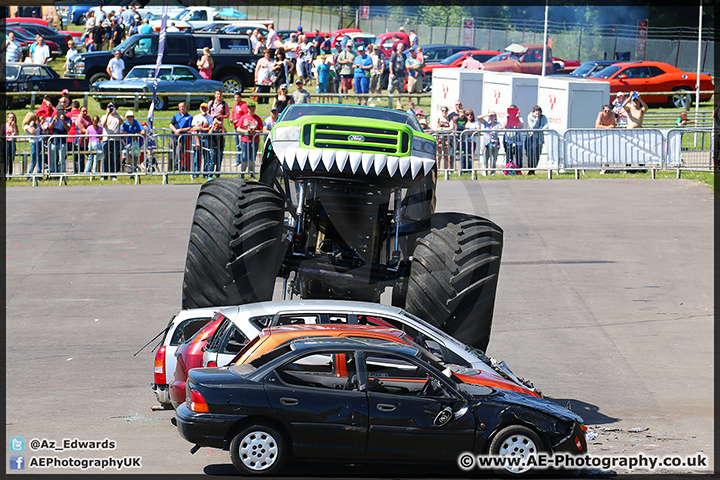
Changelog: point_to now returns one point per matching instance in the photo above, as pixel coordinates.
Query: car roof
(362, 344)
(335, 328)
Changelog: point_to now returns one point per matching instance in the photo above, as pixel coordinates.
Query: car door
(404, 419)
(318, 396)
(230, 345)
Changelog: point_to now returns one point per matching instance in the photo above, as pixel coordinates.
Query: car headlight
(286, 134)
(79, 65)
(422, 147)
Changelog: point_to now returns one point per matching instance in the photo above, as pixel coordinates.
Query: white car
(244, 322)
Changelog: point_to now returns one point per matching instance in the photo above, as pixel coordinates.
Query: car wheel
(99, 77)
(516, 441)
(236, 244)
(161, 103)
(453, 276)
(682, 99)
(232, 84)
(258, 450)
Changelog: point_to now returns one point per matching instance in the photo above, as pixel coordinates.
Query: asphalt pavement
(605, 299)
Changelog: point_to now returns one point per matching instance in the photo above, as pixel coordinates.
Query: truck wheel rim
(518, 446)
(258, 450)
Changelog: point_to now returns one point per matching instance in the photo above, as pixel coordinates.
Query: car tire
(232, 84)
(516, 441)
(453, 276)
(258, 450)
(161, 103)
(681, 99)
(99, 77)
(236, 244)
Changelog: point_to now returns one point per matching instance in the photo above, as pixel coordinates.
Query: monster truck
(345, 208)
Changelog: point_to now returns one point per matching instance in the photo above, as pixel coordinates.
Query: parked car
(384, 42)
(244, 323)
(28, 77)
(50, 29)
(564, 66)
(649, 76)
(521, 58)
(337, 35)
(173, 83)
(233, 57)
(26, 39)
(593, 66)
(456, 60)
(360, 38)
(188, 19)
(359, 400)
(436, 53)
(48, 32)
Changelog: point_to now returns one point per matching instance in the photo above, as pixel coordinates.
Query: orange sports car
(655, 77)
(272, 340)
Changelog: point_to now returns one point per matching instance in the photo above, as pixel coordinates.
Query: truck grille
(357, 138)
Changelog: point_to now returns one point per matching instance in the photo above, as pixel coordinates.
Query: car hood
(122, 83)
(484, 395)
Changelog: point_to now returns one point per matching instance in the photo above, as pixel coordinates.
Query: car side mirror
(129, 53)
(443, 417)
(622, 77)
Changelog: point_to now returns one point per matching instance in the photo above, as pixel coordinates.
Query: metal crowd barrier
(63, 156)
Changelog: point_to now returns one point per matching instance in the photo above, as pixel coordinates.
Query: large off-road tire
(236, 244)
(453, 276)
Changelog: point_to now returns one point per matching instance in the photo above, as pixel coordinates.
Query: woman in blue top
(362, 65)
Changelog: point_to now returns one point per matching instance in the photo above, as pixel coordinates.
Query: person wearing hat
(133, 142)
(300, 95)
(362, 64)
(621, 117)
(282, 99)
(270, 121)
(111, 123)
(201, 124)
(291, 48)
(345, 59)
(249, 125)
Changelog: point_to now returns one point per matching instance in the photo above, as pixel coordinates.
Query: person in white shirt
(201, 124)
(71, 54)
(172, 28)
(40, 52)
(116, 67)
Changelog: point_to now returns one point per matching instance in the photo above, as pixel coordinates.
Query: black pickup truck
(234, 64)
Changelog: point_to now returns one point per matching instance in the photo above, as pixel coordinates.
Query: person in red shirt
(80, 123)
(238, 111)
(44, 114)
(249, 125)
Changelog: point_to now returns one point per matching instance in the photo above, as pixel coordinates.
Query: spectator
(471, 63)
(443, 125)
(11, 130)
(133, 143)
(535, 140)
(362, 64)
(414, 64)
(40, 52)
(128, 17)
(282, 99)
(101, 15)
(317, 41)
(32, 129)
(261, 46)
(239, 110)
(12, 48)
(397, 41)
(270, 121)
(81, 123)
(420, 116)
(94, 145)
(281, 69)
(135, 28)
(323, 78)
(345, 59)
(335, 69)
(172, 28)
(89, 25)
(291, 51)
(59, 126)
(410, 107)
(300, 95)
(327, 45)
(110, 123)
(116, 67)
(205, 64)
(118, 33)
(472, 124)
(216, 140)
(620, 113)
(513, 141)
(376, 72)
(397, 72)
(201, 124)
(683, 120)
(145, 27)
(249, 125)
(218, 108)
(605, 118)
(272, 37)
(457, 124)
(304, 58)
(413, 39)
(490, 140)
(180, 125)
(254, 39)
(72, 53)
(98, 36)
(635, 108)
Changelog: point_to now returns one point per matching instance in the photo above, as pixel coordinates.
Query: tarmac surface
(605, 299)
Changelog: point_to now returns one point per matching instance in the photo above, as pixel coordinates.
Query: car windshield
(449, 60)
(584, 69)
(500, 57)
(180, 15)
(12, 72)
(293, 112)
(606, 72)
(126, 44)
(147, 72)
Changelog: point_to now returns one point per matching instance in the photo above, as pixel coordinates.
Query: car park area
(604, 303)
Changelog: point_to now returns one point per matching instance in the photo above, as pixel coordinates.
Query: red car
(654, 77)
(455, 61)
(337, 35)
(521, 58)
(190, 355)
(384, 42)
